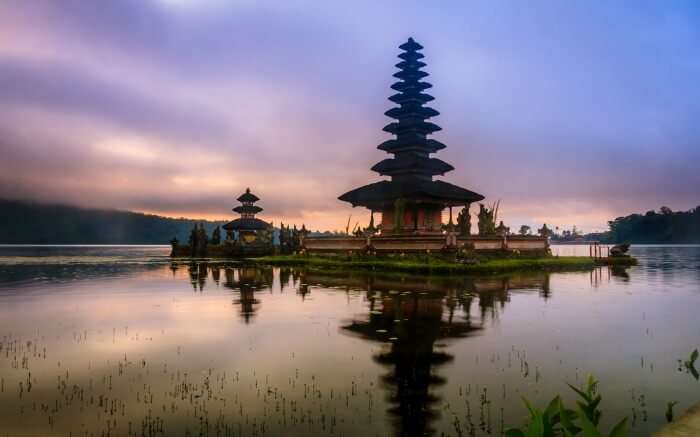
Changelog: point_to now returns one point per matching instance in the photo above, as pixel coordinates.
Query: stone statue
(264, 236)
(502, 230)
(464, 222)
(487, 225)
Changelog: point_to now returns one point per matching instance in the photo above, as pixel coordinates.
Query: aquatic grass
(690, 364)
(432, 265)
(557, 420)
(669, 411)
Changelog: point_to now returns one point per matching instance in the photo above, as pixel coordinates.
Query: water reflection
(413, 328)
(307, 352)
(246, 281)
(414, 319)
(416, 327)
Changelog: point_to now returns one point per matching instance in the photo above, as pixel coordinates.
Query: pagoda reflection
(416, 318)
(198, 272)
(413, 328)
(247, 281)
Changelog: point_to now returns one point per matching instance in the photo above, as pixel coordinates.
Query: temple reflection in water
(413, 318)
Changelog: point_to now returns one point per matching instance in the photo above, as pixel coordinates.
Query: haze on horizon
(571, 113)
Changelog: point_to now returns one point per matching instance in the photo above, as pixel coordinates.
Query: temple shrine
(247, 226)
(411, 201)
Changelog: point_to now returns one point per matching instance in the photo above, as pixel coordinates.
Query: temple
(246, 236)
(411, 201)
(247, 225)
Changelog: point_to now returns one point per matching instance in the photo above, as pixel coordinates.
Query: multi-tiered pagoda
(411, 202)
(247, 225)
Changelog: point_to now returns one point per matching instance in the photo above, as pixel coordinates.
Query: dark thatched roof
(247, 209)
(412, 164)
(246, 224)
(385, 193)
(248, 196)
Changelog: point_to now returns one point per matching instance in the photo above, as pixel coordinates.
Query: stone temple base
(423, 243)
(225, 251)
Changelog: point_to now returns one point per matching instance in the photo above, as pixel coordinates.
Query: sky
(568, 112)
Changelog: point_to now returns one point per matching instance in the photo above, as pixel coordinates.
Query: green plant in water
(690, 364)
(557, 420)
(669, 411)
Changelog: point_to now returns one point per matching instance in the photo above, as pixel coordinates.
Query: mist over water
(121, 340)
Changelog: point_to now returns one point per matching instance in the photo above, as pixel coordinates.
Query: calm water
(120, 341)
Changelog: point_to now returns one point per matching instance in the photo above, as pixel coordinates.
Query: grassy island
(438, 265)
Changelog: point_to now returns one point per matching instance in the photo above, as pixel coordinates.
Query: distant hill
(664, 226)
(32, 223)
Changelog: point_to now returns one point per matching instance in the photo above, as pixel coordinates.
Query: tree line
(656, 227)
(24, 222)
(32, 223)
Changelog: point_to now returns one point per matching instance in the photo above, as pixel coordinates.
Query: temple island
(411, 234)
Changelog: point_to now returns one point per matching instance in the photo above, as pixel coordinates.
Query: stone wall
(226, 251)
(408, 243)
(344, 244)
(422, 243)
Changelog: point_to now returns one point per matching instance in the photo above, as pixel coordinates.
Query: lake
(120, 340)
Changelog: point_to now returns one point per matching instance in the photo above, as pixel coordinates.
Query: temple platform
(424, 243)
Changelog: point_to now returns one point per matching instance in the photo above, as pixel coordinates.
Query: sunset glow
(570, 114)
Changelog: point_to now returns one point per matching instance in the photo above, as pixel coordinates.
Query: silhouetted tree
(663, 227)
(199, 249)
(544, 231)
(192, 242)
(216, 236)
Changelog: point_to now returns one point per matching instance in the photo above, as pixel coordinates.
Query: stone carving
(464, 222)
(487, 220)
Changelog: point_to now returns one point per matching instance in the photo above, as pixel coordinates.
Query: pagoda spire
(411, 147)
(411, 167)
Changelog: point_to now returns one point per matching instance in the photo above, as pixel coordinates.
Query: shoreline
(438, 266)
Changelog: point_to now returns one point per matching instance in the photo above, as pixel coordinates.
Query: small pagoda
(247, 225)
(411, 202)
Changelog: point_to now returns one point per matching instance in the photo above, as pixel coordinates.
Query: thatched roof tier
(411, 143)
(246, 224)
(410, 163)
(415, 99)
(414, 87)
(247, 209)
(383, 194)
(421, 127)
(248, 197)
(412, 111)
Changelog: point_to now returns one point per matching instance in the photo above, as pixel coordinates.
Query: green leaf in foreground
(620, 430)
(557, 420)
